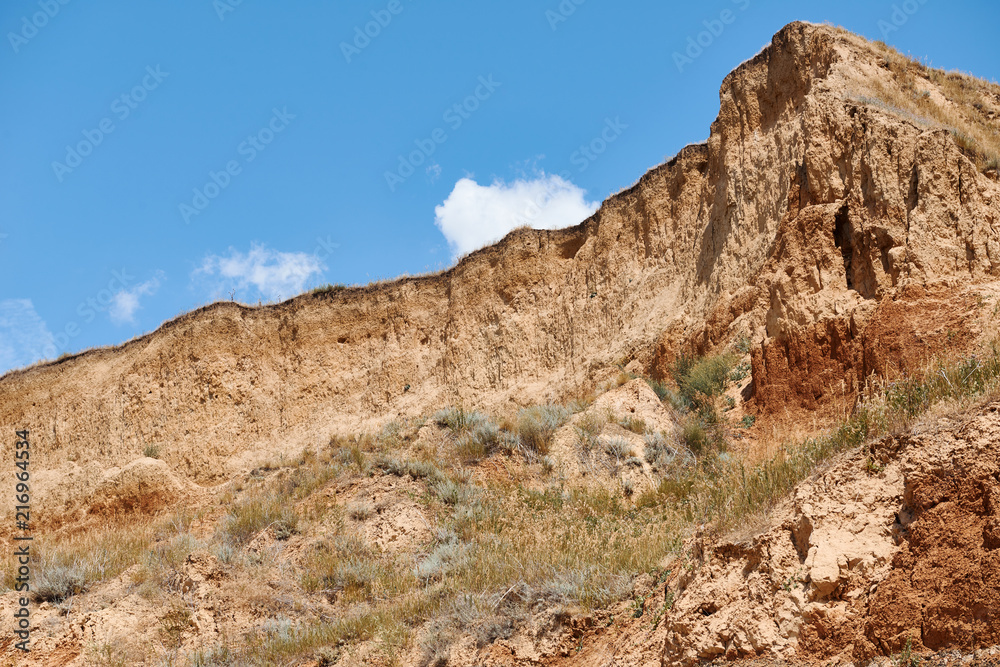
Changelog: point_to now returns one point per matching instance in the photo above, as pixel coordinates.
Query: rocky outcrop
(890, 544)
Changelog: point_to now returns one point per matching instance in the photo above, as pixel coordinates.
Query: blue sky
(159, 156)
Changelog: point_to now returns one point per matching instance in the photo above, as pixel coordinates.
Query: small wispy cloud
(474, 215)
(125, 302)
(433, 172)
(269, 273)
(24, 336)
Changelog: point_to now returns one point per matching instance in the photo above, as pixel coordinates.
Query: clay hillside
(748, 411)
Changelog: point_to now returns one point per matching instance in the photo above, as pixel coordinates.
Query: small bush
(458, 418)
(346, 565)
(964, 141)
(659, 451)
(151, 451)
(328, 288)
(479, 441)
(56, 582)
(588, 427)
(444, 558)
(360, 511)
(245, 520)
(536, 426)
(618, 448)
(415, 469)
(453, 493)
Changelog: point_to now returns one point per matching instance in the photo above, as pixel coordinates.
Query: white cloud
(126, 302)
(24, 337)
(474, 215)
(270, 273)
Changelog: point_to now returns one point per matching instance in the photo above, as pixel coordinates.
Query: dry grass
(964, 113)
(67, 564)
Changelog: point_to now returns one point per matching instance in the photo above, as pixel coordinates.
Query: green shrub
(700, 380)
(694, 436)
(328, 288)
(151, 451)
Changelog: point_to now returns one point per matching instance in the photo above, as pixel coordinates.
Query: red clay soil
(827, 363)
(944, 588)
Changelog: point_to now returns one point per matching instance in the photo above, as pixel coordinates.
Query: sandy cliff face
(842, 234)
(809, 220)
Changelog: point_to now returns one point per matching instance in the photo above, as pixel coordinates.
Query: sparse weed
(257, 513)
(638, 607)
(906, 658)
(634, 424)
(965, 116)
(361, 511)
(741, 372)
